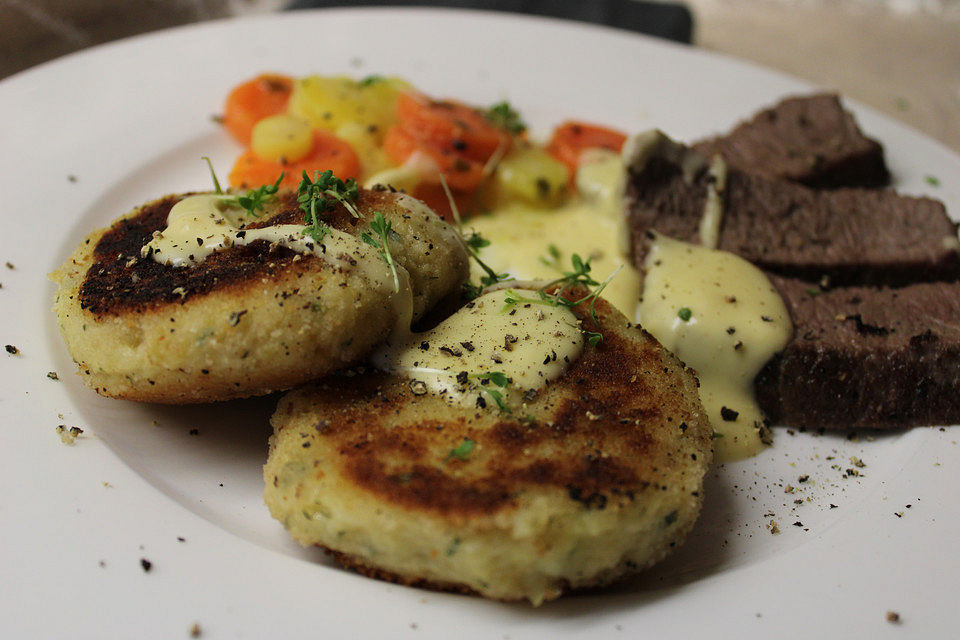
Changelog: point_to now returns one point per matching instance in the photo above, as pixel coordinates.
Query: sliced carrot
(253, 100)
(398, 144)
(572, 138)
(450, 125)
(329, 152)
(461, 173)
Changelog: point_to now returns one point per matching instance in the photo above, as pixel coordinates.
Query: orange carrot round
(450, 125)
(328, 152)
(253, 100)
(461, 173)
(572, 138)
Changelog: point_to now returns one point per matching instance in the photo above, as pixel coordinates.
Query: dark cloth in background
(670, 21)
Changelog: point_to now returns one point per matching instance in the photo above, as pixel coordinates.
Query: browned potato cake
(596, 476)
(250, 318)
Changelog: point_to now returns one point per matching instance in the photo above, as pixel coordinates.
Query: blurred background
(901, 57)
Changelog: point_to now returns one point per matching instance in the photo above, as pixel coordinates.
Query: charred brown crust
(596, 435)
(121, 281)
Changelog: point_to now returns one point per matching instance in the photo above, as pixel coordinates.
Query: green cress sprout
(506, 117)
(474, 242)
(462, 451)
(499, 379)
(370, 80)
(318, 195)
(382, 228)
(580, 275)
(554, 257)
(254, 200)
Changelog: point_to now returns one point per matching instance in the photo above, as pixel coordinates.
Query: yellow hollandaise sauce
(533, 243)
(722, 317)
(490, 352)
(714, 310)
(200, 225)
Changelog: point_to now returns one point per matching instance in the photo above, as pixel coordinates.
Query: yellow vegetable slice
(329, 102)
(533, 175)
(281, 138)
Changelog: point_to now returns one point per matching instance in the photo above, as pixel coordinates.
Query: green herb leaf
(255, 199)
(497, 398)
(370, 80)
(497, 378)
(553, 256)
(462, 451)
(506, 117)
(685, 314)
(317, 195)
(593, 337)
(382, 227)
(933, 181)
(471, 291)
(474, 242)
(213, 175)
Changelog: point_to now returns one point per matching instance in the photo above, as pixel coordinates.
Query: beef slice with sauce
(850, 236)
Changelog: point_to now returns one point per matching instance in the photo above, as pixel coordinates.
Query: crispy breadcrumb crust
(594, 479)
(250, 319)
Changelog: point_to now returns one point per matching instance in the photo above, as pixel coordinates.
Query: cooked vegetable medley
(383, 130)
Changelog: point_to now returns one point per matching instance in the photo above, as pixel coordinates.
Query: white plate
(87, 137)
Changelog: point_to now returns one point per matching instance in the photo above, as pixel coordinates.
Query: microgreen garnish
(213, 175)
(370, 80)
(497, 378)
(313, 195)
(254, 200)
(685, 314)
(580, 275)
(313, 198)
(593, 337)
(471, 291)
(553, 259)
(506, 117)
(462, 451)
(382, 227)
(933, 181)
(474, 242)
(511, 298)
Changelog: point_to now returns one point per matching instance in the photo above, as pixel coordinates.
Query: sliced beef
(864, 357)
(851, 236)
(806, 139)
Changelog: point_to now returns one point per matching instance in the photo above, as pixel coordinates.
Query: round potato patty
(595, 477)
(249, 319)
